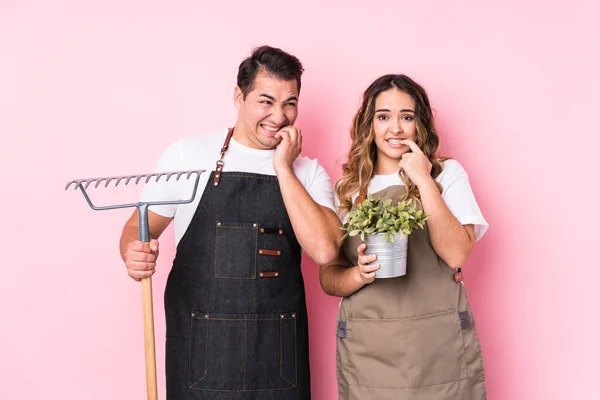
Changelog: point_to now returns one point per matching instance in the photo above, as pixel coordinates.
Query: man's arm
(315, 226)
(139, 257)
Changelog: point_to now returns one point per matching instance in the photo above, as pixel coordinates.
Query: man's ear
(238, 97)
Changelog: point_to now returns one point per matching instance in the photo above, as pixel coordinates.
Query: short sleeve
(170, 160)
(320, 188)
(459, 198)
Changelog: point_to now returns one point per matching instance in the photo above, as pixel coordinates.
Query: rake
(144, 236)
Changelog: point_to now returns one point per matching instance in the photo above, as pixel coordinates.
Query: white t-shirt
(201, 152)
(456, 193)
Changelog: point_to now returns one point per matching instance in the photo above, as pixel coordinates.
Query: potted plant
(385, 227)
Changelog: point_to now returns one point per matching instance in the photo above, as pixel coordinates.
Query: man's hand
(288, 149)
(140, 259)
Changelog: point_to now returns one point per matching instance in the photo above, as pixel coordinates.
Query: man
(234, 301)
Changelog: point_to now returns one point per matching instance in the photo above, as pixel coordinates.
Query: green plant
(376, 215)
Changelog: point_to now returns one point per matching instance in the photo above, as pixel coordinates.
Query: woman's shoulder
(451, 170)
(452, 165)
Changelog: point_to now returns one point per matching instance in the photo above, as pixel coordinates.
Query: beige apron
(411, 337)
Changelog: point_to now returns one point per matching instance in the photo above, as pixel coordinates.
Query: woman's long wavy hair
(362, 157)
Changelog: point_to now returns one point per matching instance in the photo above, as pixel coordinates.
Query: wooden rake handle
(149, 339)
(148, 311)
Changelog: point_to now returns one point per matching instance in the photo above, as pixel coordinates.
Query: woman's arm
(339, 280)
(451, 240)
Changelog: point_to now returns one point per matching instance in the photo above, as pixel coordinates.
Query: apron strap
(220, 162)
(362, 195)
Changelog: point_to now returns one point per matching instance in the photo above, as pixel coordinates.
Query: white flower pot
(390, 256)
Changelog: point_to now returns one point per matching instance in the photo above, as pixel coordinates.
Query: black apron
(235, 306)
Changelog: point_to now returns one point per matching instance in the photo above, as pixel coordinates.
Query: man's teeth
(270, 128)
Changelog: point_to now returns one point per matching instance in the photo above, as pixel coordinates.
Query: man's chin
(270, 142)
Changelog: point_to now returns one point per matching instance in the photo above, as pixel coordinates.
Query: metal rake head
(127, 178)
(83, 184)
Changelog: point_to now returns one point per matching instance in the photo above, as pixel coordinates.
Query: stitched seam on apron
(464, 357)
(190, 386)
(245, 350)
(205, 357)
(403, 318)
(281, 352)
(232, 174)
(216, 258)
(410, 387)
(242, 391)
(190, 355)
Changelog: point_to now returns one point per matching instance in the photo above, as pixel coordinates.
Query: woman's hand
(415, 164)
(365, 269)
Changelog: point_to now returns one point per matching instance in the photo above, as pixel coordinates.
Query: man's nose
(278, 116)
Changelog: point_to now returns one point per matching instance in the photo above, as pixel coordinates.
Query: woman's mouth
(395, 142)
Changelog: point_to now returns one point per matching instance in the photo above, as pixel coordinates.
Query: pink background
(101, 88)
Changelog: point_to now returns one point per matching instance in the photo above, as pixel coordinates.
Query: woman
(411, 337)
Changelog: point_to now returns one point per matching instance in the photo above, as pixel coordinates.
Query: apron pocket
(373, 353)
(435, 349)
(236, 352)
(236, 249)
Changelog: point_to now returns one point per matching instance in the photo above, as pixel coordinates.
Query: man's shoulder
(306, 163)
(202, 146)
(310, 168)
(193, 151)
(204, 139)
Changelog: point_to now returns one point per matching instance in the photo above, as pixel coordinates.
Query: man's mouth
(271, 128)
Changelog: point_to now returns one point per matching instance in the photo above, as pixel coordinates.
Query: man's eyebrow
(386, 110)
(273, 98)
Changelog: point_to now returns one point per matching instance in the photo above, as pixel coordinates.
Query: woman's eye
(382, 117)
(408, 118)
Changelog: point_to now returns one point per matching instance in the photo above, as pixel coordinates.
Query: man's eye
(291, 104)
(265, 102)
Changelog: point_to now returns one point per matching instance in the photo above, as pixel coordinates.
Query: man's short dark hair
(274, 62)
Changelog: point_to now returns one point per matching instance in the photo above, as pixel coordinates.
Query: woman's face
(394, 120)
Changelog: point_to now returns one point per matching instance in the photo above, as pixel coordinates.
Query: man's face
(271, 105)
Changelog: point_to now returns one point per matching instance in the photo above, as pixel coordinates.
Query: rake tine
(96, 182)
(99, 181)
